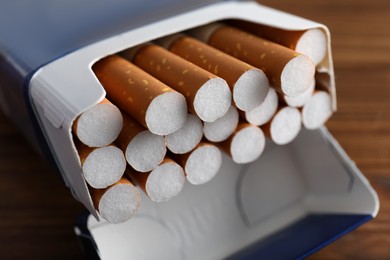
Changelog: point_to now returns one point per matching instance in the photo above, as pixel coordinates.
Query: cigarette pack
(292, 201)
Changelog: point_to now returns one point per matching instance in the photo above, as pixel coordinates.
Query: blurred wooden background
(37, 211)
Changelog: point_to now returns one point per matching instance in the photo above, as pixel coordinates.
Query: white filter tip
(100, 125)
(104, 166)
(297, 76)
(119, 203)
(186, 138)
(313, 44)
(317, 110)
(203, 164)
(166, 113)
(222, 128)
(247, 145)
(286, 125)
(301, 99)
(165, 182)
(250, 89)
(212, 100)
(145, 151)
(263, 113)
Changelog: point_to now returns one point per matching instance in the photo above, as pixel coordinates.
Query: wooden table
(361, 53)
(37, 211)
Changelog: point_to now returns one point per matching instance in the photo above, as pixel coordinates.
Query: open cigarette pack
(301, 194)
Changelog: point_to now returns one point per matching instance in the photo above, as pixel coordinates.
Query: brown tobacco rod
(263, 113)
(117, 203)
(98, 126)
(143, 150)
(162, 183)
(101, 166)
(201, 164)
(311, 42)
(249, 85)
(291, 73)
(208, 96)
(245, 145)
(284, 126)
(317, 110)
(149, 101)
(222, 128)
(186, 138)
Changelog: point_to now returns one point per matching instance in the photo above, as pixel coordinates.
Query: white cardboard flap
(242, 204)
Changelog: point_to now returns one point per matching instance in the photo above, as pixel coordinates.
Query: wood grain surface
(37, 211)
(361, 53)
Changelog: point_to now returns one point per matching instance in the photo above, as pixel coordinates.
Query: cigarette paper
(222, 128)
(98, 126)
(117, 203)
(143, 150)
(208, 96)
(152, 103)
(162, 183)
(248, 84)
(311, 43)
(102, 166)
(288, 71)
(186, 138)
(301, 99)
(263, 113)
(317, 110)
(284, 126)
(246, 144)
(202, 164)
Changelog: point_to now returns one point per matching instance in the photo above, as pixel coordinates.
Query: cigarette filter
(208, 96)
(161, 184)
(186, 138)
(102, 166)
(263, 113)
(117, 203)
(143, 150)
(222, 128)
(311, 42)
(246, 144)
(99, 125)
(202, 164)
(248, 84)
(284, 126)
(288, 71)
(149, 101)
(317, 110)
(301, 99)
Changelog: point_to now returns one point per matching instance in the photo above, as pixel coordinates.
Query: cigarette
(144, 150)
(317, 110)
(208, 96)
(102, 166)
(222, 128)
(263, 113)
(152, 103)
(202, 164)
(248, 84)
(162, 183)
(98, 126)
(245, 145)
(117, 203)
(311, 43)
(186, 138)
(288, 71)
(300, 100)
(284, 126)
